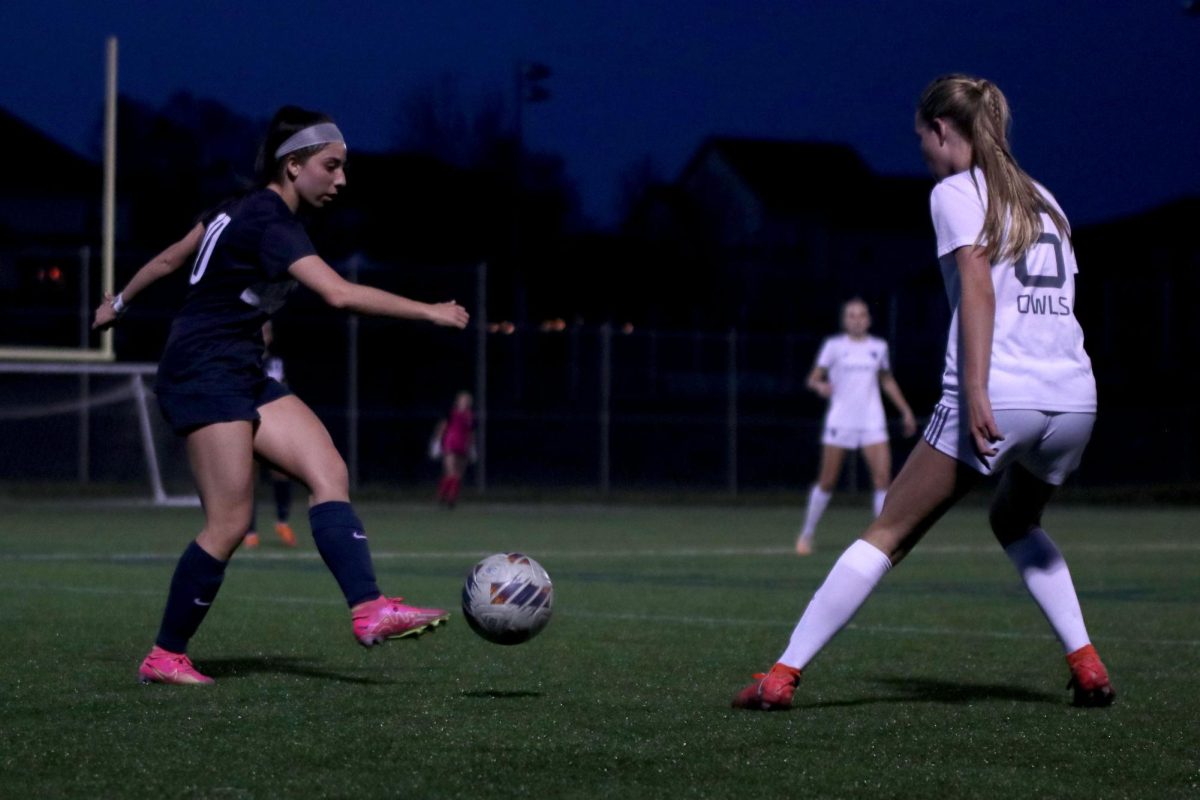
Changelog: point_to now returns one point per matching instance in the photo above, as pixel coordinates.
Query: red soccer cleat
(388, 618)
(1089, 679)
(250, 539)
(771, 691)
(163, 666)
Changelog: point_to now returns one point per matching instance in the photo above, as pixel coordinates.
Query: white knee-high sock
(818, 499)
(846, 588)
(1045, 573)
(878, 499)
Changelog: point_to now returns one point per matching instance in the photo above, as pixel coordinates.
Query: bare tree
(436, 120)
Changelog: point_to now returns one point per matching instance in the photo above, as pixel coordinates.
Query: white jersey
(1038, 361)
(853, 367)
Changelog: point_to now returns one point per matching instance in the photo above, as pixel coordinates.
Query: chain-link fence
(606, 407)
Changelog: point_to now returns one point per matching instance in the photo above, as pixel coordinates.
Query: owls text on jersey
(1038, 360)
(239, 277)
(853, 367)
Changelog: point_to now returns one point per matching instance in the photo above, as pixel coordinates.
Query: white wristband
(118, 304)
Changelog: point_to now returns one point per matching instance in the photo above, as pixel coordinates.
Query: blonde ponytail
(978, 110)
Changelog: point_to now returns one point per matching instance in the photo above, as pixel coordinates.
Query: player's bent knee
(998, 519)
(1007, 525)
(330, 482)
(220, 541)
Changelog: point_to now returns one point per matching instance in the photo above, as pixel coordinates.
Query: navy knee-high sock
(194, 586)
(283, 499)
(342, 543)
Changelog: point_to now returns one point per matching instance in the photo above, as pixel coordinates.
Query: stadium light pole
(352, 411)
(528, 77)
(85, 380)
(481, 377)
(605, 427)
(529, 89)
(731, 413)
(109, 200)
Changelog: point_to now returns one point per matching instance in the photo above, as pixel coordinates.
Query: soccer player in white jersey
(850, 371)
(1018, 396)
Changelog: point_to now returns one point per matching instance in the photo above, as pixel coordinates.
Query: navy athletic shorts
(185, 412)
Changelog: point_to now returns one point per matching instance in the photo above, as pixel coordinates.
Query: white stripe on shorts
(1049, 444)
(937, 422)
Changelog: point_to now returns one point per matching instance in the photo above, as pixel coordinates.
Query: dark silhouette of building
(782, 231)
(762, 237)
(50, 195)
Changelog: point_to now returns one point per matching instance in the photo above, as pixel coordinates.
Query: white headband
(321, 133)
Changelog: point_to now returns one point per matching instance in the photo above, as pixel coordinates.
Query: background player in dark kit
(281, 485)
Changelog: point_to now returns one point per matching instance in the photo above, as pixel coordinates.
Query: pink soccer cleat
(388, 618)
(771, 691)
(163, 666)
(1089, 678)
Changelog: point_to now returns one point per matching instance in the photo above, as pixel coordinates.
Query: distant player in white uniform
(850, 371)
(1018, 397)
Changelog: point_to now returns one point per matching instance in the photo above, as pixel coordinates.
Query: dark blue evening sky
(1105, 95)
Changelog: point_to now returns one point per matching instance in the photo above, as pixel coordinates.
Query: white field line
(663, 619)
(610, 553)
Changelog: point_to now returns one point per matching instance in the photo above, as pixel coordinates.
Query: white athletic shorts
(853, 438)
(1049, 444)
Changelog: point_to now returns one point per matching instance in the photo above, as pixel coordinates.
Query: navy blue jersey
(239, 278)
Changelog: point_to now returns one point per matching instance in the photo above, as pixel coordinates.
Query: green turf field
(947, 685)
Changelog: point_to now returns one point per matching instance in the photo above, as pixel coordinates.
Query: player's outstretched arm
(163, 264)
(887, 382)
(313, 272)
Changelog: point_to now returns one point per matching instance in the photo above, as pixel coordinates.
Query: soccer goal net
(89, 425)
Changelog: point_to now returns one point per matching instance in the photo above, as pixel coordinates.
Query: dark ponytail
(287, 121)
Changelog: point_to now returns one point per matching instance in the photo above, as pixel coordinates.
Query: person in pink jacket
(454, 439)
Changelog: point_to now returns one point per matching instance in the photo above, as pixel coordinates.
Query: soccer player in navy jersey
(245, 256)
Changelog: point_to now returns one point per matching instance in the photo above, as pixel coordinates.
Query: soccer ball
(507, 598)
